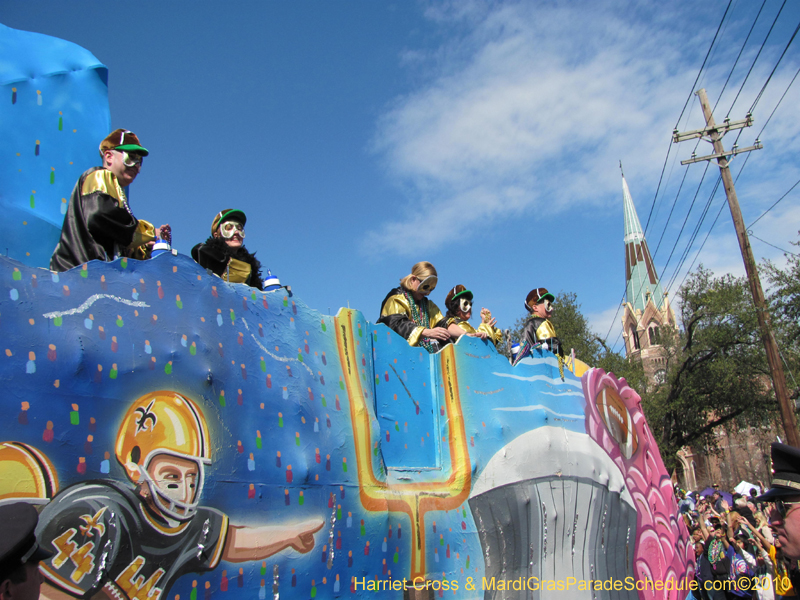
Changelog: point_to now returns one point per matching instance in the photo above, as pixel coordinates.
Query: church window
(634, 337)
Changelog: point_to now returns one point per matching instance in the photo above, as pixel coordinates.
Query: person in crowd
(408, 311)
(99, 223)
(225, 255)
(760, 547)
(762, 526)
(685, 503)
(741, 506)
(459, 312)
(20, 553)
(719, 554)
(702, 572)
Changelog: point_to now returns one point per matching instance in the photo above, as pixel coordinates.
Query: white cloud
(527, 110)
(527, 107)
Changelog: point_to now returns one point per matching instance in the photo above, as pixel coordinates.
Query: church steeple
(641, 279)
(646, 310)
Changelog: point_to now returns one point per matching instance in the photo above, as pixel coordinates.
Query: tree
(716, 369)
(785, 307)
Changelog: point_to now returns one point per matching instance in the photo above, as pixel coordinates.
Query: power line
(671, 210)
(688, 99)
(714, 224)
(750, 233)
(755, 60)
(716, 219)
(786, 91)
(741, 87)
(697, 143)
(775, 68)
(696, 231)
(685, 220)
(774, 205)
(661, 178)
(693, 237)
(708, 234)
(719, 27)
(738, 56)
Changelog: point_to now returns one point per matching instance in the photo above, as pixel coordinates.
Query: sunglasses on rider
(131, 159)
(229, 228)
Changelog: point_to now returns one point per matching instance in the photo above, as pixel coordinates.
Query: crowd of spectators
(737, 555)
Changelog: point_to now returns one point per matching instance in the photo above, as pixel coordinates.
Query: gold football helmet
(26, 474)
(164, 424)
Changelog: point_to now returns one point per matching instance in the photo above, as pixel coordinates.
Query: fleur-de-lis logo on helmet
(146, 415)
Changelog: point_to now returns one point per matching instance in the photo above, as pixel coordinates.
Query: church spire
(641, 279)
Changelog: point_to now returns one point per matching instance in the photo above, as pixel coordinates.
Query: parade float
(318, 456)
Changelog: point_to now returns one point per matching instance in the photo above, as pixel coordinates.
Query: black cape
(97, 225)
(214, 253)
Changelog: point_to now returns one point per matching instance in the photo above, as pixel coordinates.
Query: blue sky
(363, 136)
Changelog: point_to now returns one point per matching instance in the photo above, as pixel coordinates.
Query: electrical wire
(751, 234)
(688, 99)
(704, 214)
(719, 27)
(725, 85)
(666, 159)
(786, 91)
(722, 206)
(686, 219)
(738, 56)
(693, 237)
(708, 234)
(671, 210)
(755, 60)
(774, 205)
(775, 68)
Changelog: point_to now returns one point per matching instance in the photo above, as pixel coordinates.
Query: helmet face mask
(175, 483)
(163, 445)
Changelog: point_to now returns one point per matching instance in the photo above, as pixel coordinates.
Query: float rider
(99, 223)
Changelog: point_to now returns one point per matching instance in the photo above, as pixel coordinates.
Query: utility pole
(714, 134)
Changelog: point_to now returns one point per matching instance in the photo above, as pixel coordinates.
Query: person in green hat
(224, 254)
(539, 331)
(99, 223)
(459, 312)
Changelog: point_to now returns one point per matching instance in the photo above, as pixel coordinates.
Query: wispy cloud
(524, 108)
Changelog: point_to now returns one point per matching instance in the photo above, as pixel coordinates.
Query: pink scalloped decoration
(660, 537)
(634, 478)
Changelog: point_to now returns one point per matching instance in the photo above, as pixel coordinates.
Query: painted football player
(135, 542)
